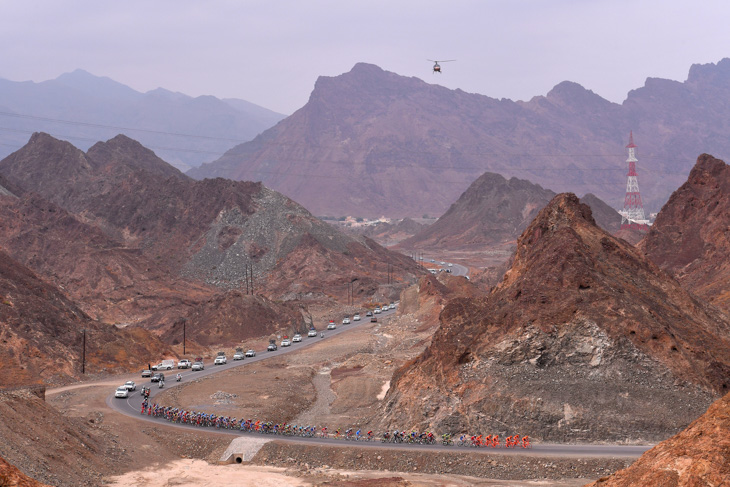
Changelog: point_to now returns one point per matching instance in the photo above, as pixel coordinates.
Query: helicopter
(437, 66)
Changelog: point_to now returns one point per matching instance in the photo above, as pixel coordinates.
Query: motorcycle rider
(178, 377)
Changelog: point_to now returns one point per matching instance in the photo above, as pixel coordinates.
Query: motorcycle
(162, 384)
(178, 378)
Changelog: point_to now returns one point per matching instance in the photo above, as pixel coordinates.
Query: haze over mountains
(371, 142)
(104, 108)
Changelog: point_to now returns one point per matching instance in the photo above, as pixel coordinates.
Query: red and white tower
(632, 215)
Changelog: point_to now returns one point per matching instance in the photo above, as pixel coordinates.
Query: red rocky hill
(41, 334)
(371, 142)
(583, 340)
(209, 230)
(699, 456)
(690, 238)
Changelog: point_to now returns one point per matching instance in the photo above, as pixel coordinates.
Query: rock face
(41, 336)
(605, 216)
(492, 211)
(210, 231)
(689, 238)
(583, 340)
(698, 456)
(12, 477)
(370, 142)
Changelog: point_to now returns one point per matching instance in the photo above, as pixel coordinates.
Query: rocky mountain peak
(492, 210)
(710, 73)
(124, 151)
(689, 237)
(581, 319)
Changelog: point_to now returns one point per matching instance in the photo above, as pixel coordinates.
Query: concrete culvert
(239, 459)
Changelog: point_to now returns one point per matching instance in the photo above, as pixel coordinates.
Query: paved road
(133, 405)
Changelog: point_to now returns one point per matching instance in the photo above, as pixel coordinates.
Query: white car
(346, 320)
(451, 265)
(356, 317)
(392, 306)
(198, 366)
(184, 364)
(285, 342)
(312, 333)
(130, 385)
(122, 392)
(238, 356)
(250, 353)
(296, 338)
(377, 310)
(220, 360)
(331, 326)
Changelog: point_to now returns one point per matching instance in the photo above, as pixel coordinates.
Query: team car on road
(121, 392)
(250, 353)
(198, 366)
(220, 360)
(312, 333)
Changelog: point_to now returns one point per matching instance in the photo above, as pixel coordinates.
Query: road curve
(133, 405)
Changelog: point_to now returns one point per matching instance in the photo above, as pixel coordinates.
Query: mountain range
(371, 142)
(84, 108)
(130, 240)
(585, 338)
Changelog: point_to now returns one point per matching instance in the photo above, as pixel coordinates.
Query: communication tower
(632, 215)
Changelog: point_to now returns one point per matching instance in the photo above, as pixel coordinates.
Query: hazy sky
(271, 52)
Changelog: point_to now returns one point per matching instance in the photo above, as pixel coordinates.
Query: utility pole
(83, 352)
(184, 321)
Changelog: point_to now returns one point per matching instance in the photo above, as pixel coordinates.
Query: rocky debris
(689, 238)
(475, 464)
(697, 456)
(10, 476)
(41, 336)
(583, 340)
(221, 397)
(492, 211)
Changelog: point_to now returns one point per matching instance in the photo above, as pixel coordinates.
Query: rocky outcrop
(699, 456)
(10, 476)
(690, 239)
(42, 334)
(605, 216)
(583, 340)
(492, 211)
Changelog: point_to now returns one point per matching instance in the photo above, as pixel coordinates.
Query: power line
(115, 127)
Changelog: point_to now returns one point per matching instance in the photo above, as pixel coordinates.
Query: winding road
(132, 406)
